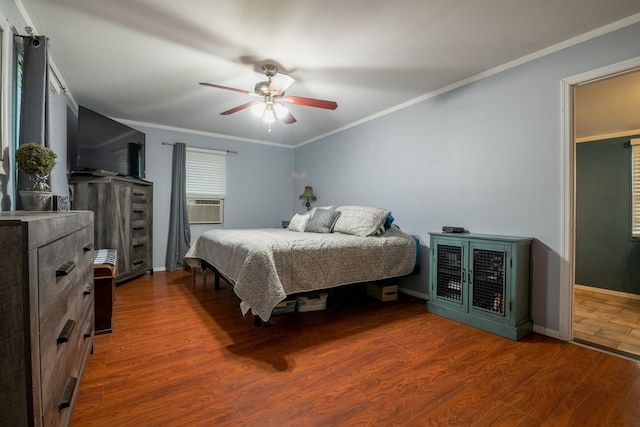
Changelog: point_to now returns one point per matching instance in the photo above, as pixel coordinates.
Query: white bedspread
(266, 265)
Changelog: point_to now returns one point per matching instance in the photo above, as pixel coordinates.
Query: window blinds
(635, 188)
(205, 170)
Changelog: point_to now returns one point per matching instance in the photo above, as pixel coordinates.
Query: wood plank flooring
(182, 355)
(608, 321)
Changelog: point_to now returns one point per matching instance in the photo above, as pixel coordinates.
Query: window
(206, 171)
(635, 188)
(6, 40)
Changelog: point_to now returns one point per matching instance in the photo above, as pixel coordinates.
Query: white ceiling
(141, 60)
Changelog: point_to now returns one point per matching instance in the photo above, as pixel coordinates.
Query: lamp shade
(258, 109)
(308, 193)
(269, 114)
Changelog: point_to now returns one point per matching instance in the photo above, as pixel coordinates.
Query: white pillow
(360, 220)
(299, 222)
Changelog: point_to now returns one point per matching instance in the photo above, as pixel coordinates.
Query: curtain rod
(226, 151)
(53, 72)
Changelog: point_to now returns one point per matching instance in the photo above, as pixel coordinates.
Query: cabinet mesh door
(488, 280)
(449, 274)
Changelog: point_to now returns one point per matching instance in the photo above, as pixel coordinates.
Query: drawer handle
(66, 331)
(138, 228)
(138, 245)
(87, 289)
(138, 262)
(138, 211)
(65, 269)
(87, 247)
(138, 194)
(88, 331)
(67, 394)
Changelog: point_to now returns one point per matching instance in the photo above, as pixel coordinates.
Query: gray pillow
(322, 221)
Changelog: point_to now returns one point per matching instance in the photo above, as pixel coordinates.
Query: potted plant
(37, 161)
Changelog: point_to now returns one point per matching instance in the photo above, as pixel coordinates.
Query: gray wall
(259, 183)
(485, 156)
(606, 257)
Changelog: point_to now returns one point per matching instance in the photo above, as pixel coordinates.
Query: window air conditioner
(204, 211)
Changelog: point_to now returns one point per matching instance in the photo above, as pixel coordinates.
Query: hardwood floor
(608, 321)
(182, 355)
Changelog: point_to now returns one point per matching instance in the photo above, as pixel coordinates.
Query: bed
(266, 265)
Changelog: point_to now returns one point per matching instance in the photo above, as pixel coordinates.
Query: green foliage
(34, 159)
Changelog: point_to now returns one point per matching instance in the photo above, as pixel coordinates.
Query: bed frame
(257, 321)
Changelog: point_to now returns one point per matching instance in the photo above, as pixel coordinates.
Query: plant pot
(35, 200)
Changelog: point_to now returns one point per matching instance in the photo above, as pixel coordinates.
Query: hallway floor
(607, 321)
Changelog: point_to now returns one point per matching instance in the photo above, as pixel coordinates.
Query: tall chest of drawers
(123, 219)
(46, 321)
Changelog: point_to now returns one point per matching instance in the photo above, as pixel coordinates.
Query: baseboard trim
(548, 332)
(607, 292)
(413, 293)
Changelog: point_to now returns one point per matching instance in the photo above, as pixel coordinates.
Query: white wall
(486, 156)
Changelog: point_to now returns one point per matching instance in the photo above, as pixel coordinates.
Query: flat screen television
(105, 146)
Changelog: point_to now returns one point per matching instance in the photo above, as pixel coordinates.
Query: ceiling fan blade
(239, 108)
(289, 119)
(311, 102)
(246, 92)
(280, 83)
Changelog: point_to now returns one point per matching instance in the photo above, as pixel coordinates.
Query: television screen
(106, 146)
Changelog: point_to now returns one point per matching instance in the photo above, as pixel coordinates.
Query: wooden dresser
(124, 219)
(46, 321)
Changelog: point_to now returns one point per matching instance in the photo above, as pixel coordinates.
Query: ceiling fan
(271, 106)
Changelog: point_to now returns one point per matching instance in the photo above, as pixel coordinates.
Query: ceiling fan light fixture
(258, 109)
(272, 93)
(269, 115)
(280, 110)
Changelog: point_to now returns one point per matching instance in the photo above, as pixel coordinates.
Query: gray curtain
(34, 109)
(179, 232)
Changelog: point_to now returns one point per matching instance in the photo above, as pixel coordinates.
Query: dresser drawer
(139, 228)
(64, 348)
(138, 212)
(62, 264)
(139, 194)
(139, 264)
(139, 247)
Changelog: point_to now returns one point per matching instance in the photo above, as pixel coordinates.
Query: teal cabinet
(482, 280)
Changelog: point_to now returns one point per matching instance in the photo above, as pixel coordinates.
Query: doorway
(605, 304)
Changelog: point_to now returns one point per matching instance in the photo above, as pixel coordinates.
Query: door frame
(568, 163)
